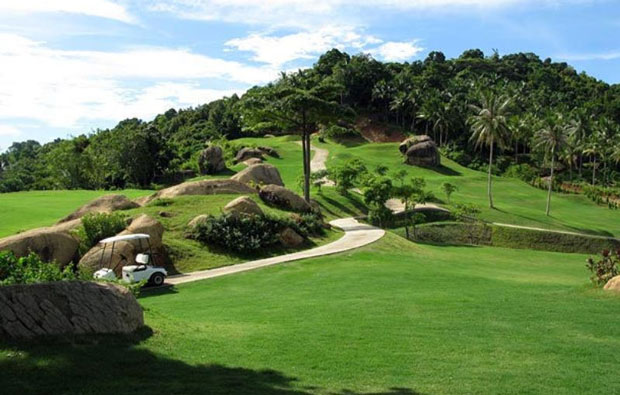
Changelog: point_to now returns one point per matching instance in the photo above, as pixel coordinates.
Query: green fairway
(516, 202)
(391, 318)
(21, 211)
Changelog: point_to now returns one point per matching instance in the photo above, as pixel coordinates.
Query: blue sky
(72, 66)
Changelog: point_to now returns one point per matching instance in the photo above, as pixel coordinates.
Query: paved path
(356, 235)
(318, 163)
(553, 231)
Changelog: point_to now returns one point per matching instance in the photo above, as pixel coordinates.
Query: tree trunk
(550, 183)
(489, 179)
(594, 171)
(516, 148)
(307, 169)
(580, 164)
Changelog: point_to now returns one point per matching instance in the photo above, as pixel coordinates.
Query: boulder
(613, 284)
(420, 151)
(243, 205)
(252, 161)
(283, 198)
(247, 153)
(269, 136)
(263, 173)
(125, 252)
(67, 308)
(197, 220)
(269, 151)
(104, 204)
(290, 238)
(211, 160)
(204, 187)
(55, 243)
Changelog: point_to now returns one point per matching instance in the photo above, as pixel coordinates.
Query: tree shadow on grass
(119, 365)
(343, 209)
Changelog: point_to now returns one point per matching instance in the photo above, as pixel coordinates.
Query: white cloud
(100, 8)
(394, 51)
(310, 13)
(62, 87)
(278, 50)
(9, 131)
(609, 55)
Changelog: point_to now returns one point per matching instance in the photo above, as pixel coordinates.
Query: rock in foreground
(283, 198)
(67, 308)
(243, 205)
(613, 284)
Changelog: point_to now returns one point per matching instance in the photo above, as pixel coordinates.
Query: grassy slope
(26, 210)
(517, 202)
(390, 315)
(190, 255)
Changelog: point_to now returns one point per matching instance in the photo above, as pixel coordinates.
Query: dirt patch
(378, 132)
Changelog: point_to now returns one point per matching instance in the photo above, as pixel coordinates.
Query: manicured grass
(391, 318)
(516, 202)
(26, 210)
(190, 255)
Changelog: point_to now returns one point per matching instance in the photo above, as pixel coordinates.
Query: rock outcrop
(290, 238)
(197, 220)
(263, 173)
(420, 151)
(204, 187)
(283, 198)
(243, 205)
(247, 153)
(104, 204)
(252, 161)
(67, 308)
(211, 160)
(55, 243)
(269, 151)
(125, 252)
(613, 284)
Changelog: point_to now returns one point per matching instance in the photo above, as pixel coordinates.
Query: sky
(69, 67)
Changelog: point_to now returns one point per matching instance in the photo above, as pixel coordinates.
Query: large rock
(290, 238)
(420, 151)
(55, 243)
(125, 252)
(243, 205)
(104, 204)
(67, 308)
(269, 151)
(613, 284)
(262, 173)
(252, 161)
(247, 153)
(202, 218)
(283, 198)
(211, 160)
(204, 187)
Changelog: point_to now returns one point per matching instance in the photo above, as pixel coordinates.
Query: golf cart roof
(137, 236)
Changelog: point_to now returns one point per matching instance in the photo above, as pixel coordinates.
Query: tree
(490, 127)
(297, 102)
(410, 193)
(448, 189)
(552, 138)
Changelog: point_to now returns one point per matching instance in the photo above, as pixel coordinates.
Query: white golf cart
(142, 270)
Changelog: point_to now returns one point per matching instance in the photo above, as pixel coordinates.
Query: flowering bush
(605, 268)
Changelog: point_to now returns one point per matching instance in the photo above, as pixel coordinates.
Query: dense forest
(549, 117)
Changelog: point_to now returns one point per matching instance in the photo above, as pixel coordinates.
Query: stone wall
(67, 308)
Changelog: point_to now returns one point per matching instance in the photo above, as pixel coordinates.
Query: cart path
(554, 231)
(318, 162)
(356, 235)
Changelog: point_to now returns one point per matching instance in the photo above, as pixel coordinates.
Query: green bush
(604, 269)
(30, 269)
(241, 233)
(310, 224)
(522, 171)
(337, 132)
(96, 227)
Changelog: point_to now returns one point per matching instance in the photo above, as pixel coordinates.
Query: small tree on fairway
(468, 213)
(297, 102)
(490, 127)
(448, 189)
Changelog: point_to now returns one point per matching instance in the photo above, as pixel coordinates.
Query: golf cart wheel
(157, 279)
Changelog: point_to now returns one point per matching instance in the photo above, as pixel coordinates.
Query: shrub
(30, 269)
(346, 175)
(96, 227)
(338, 132)
(605, 268)
(310, 224)
(522, 171)
(241, 233)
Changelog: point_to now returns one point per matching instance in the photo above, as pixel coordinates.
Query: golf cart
(142, 270)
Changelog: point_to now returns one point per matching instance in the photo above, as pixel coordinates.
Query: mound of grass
(391, 318)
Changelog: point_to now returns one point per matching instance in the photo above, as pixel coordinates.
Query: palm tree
(490, 127)
(593, 149)
(552, 138)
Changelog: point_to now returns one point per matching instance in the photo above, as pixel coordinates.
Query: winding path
(356, 235)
